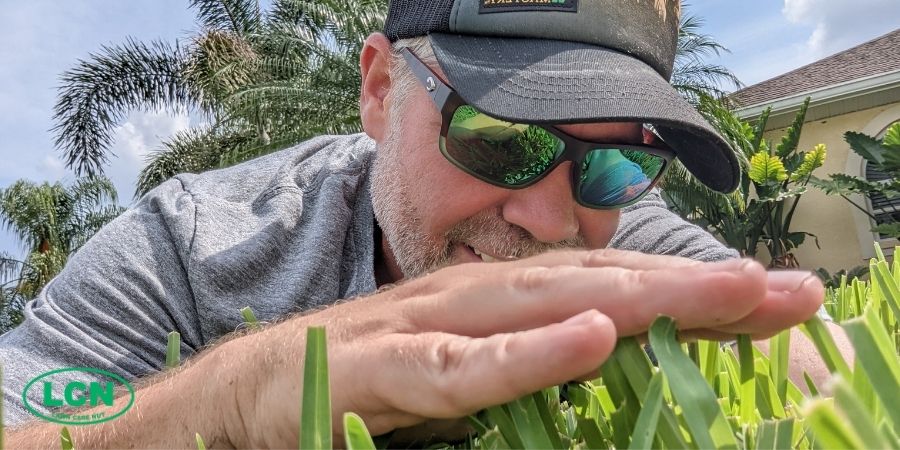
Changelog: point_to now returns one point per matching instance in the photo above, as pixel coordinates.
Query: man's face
(433, 214)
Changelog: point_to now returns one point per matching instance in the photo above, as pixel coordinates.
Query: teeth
(484, 257)
(488, 258)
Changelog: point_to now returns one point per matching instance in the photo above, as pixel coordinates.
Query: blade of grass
(748, 380)
(315, 415)
(637, 371)
(881, 277)
(810, 384)
(529, 424)
(544, 411)
(356, 435)
(499, 416)
(250, 318)
(590, 432)
(702, 413)
(878, 359)
(855, 413)
(818, 333)
(66, 439)
(775, 434)
(829, 430)
(779, 351)
(645, 428)
(173, 350)
(200, 444)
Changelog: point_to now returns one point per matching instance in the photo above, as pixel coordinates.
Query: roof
(878, 56)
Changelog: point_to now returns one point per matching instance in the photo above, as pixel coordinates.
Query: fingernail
(806, 282)
(731, 265)
(582, 318)
(790, 280)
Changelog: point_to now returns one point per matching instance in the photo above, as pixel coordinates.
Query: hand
(475, 335)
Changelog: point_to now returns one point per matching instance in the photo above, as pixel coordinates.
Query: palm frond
(194, 150)
(97, 94)
(241, 17)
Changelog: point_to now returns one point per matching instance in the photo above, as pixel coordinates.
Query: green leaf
(791, 139)
(779, 348)
(819, 334)
(811, 161)
(702, 413)
(356, 435)
(645, 428)
(250, 318)
(856, 414)
(200, 444)
(590, 431)
(173, 350)
(882, 278)
(748, 380)
(765, 169)
(775, 434)
(66, 439)
(892, 137)
(878, 359)
(315, 415)
(830, 430)
(499, 416)
(865, 146)
(530, 425)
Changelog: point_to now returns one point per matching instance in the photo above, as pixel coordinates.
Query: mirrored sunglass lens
(612, 177)
(503, 152)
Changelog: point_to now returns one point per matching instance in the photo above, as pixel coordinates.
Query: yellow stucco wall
(832, 218)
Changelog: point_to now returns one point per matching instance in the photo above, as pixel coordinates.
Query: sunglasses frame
(447, 101)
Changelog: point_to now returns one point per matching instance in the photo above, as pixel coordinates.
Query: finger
(793, 297)
(453, 376)
(701, 296)
(606, 257)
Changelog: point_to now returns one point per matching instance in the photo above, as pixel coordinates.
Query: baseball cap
(569, 61)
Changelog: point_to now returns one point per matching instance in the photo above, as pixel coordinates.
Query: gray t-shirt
(283, 233)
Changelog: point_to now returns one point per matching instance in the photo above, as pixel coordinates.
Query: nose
(545, 209)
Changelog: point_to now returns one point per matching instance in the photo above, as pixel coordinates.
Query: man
(303, 229)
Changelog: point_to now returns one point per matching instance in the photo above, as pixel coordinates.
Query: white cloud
(839, 24)
(51, 167)
(140, 135)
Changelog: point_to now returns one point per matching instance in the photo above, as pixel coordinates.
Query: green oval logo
(59, 390)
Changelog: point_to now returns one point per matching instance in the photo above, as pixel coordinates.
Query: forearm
(168, 410)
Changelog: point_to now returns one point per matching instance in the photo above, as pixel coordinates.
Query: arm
(432, 348)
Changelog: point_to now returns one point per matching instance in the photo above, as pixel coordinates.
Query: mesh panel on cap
(413, 18)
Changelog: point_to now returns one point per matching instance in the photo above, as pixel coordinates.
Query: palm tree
(52, 221)
(265, 81)
(262, 80)
(693, 76)
(13, 275)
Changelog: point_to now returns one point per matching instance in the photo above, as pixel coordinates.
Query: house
(854, 90)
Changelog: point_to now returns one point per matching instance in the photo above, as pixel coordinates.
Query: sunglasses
(517, 155)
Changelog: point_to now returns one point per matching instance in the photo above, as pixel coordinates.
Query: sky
(43, 38)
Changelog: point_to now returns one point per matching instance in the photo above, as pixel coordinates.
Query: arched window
(883, 209)
(886, 210)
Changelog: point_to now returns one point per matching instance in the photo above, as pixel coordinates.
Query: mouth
(484, 256)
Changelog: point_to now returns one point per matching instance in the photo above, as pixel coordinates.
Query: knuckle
(446, 363)
(536, 278)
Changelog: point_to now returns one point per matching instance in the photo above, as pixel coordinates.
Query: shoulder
(302, 167)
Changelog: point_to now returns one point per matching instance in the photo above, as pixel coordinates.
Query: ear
(375, 67)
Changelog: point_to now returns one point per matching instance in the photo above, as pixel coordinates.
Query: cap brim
(543, 81)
